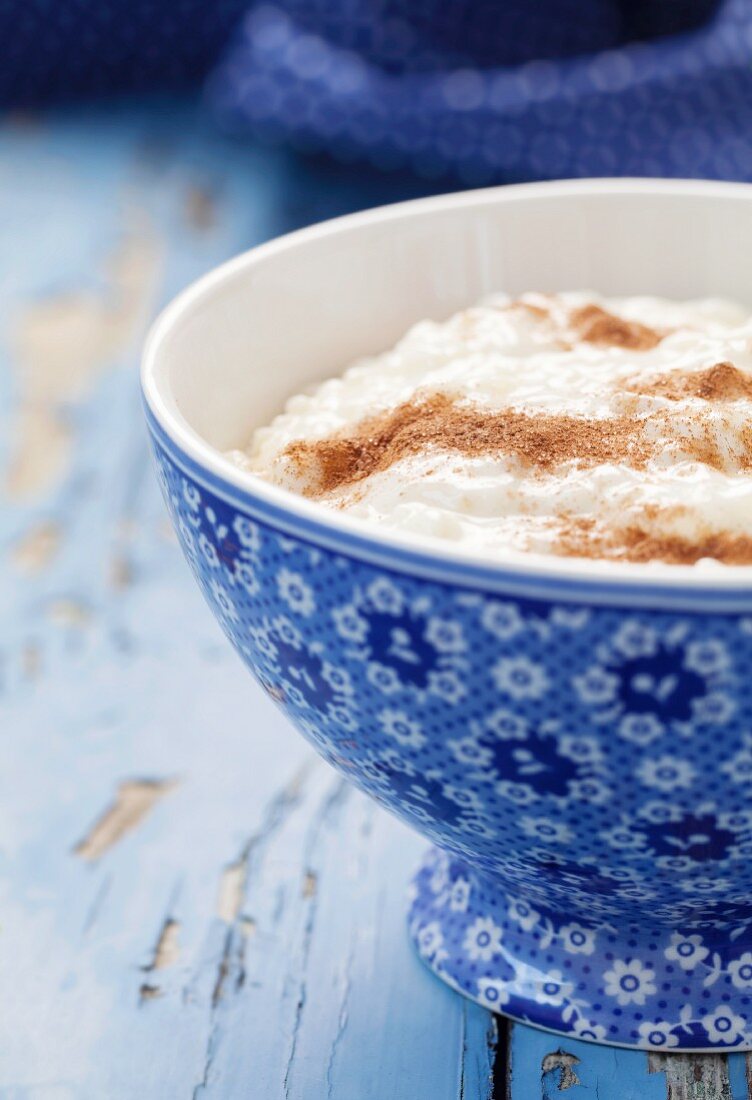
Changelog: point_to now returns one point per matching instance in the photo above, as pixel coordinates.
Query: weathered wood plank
(546, 1066)
(192, 904)
(693, 1077)
(244, 937)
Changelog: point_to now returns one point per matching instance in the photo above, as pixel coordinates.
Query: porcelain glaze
(585, 770)
(575, 742)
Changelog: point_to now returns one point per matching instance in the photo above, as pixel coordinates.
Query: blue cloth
(482, 89)
(555, 94)
(56, 50)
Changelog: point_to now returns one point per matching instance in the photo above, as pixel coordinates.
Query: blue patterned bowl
(575, 738)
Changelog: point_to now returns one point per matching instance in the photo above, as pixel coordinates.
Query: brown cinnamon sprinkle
(541, 440)
(596, 325)
(535, 308)
(721, 382)
(581, 537)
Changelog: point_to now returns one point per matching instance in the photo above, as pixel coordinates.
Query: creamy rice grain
(564, 424)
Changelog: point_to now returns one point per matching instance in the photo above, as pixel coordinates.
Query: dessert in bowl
(513, 604)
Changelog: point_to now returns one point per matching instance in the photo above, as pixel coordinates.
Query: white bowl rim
(433, 554)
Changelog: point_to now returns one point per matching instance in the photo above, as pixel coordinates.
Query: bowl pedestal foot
(654, 988)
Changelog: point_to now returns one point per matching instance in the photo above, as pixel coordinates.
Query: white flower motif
(589, 790)
(468, 751)
(630, 982)
(666, 773)
(383, 678)
(740, 971)
(677, 864)
(659, 812)
(464, 797)
(287, 633)
(263, 643)
(520, 677)
(518, 793)
(209, 551)
(553, 990)
(191, 496)
(723, 1025)
(493, 992)
(501, 619)
(445, 636)
(621, 874)
(715, 709)
(523, 914)
(582, 749)
(482, 940)
(224, 604)
(572, 618)
(636, 892)
(430, 941)
(187, 539)
(294, 695)
(446, 684)
(587, 1030)
(385, 596)
(476, 827)
(295, 592)
(342, 717)
(738, 821)
(406, 731)
(459, 895)
(338, 679)
(543, 828)
(656, 1035)
(247, 532)
(163, 477)
(634, 639)
(704, 885)
(624, 838)
(596, 686)
(246, 577)
(577, 940)
(739, 767)
(349, 624)
(707, 657)
(640, 729)
(440, 877)
(506, 725)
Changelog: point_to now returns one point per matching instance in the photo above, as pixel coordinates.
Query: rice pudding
(561, 424)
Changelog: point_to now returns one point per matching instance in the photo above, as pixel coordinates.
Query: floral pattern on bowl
(585, 770)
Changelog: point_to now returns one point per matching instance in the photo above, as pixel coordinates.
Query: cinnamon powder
(581, 537)
(536, 309)
(721, 382)
(540, 440)
(596, 325)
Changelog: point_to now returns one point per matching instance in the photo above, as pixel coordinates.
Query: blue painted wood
(547, 1066)
(244, 937)
(539, 1069)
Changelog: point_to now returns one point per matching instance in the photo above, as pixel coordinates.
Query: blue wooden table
(190, 905)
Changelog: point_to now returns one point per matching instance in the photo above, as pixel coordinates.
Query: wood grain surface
(191, 903)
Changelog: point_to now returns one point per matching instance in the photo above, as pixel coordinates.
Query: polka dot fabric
(59, 49)
(487, 92)
(476, 90)
(585, 770)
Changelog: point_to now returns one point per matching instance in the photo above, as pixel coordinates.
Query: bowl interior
(231, 349)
